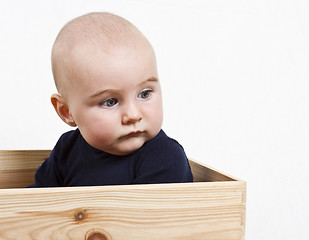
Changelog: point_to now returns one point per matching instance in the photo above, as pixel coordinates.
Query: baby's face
(116, 98)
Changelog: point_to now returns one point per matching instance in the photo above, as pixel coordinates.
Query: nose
(131, 114)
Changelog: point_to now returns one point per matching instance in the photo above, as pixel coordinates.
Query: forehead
(126, 66)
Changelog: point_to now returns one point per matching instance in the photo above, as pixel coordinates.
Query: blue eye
(144, 94)
(110, 102)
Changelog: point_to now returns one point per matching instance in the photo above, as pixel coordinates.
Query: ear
(62, 109)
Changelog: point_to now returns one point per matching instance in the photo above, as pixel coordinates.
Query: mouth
(133, 134)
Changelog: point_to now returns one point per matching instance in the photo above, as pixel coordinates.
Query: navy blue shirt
(73, 162)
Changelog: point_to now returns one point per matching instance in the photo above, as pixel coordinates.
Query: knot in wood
(96, 234)
(80, 215)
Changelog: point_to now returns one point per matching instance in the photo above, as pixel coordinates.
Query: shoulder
(163, 144)
(54, 168)
(65, 145)
(66, 141)
(69, 137)
(163, 150)
(162, 160)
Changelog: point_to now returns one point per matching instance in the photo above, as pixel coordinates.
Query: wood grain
(17, 167)
(211, 208)
(162, 211)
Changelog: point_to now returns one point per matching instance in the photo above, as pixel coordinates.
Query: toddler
(106, 75)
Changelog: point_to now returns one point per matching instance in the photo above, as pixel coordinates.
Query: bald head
(102, 31)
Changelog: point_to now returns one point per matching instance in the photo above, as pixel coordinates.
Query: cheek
(100, 132)
(155, 114)
(97, 124)
(102, 120)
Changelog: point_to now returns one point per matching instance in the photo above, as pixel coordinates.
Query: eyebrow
(101, 92)
(151, 79)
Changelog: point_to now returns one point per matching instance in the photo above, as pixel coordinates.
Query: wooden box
(213, 207)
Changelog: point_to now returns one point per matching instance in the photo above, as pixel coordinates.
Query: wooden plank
(203, 210)
(213, 210)
(203, 173)
(17, 168)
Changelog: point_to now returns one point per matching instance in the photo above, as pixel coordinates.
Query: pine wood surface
(162, 211)
(17, 167)
(201, 210)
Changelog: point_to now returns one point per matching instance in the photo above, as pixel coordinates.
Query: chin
(124, 152)
(130, 147)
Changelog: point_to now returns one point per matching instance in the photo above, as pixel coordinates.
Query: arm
(47, 174)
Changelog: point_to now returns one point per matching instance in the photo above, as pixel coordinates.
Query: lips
(133, 134)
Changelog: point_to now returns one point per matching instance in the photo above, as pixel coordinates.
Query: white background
(235, 83)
